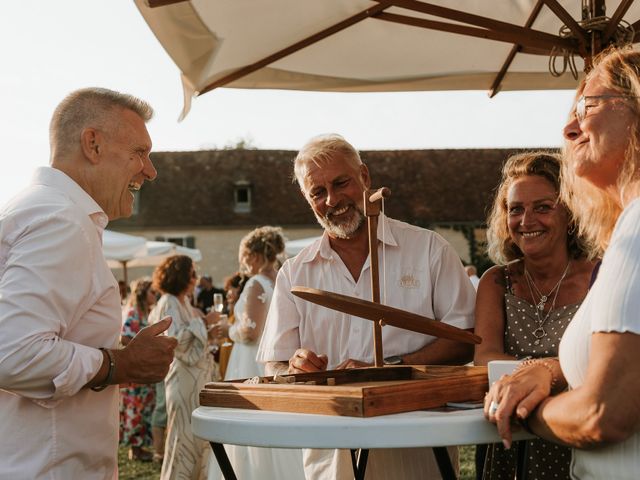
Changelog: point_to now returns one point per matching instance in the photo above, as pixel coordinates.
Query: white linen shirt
(424, 275)
(59, 302)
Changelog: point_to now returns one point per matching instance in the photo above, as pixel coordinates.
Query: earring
(572, 229)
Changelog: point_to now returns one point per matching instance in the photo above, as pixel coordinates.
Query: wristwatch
(393, 360)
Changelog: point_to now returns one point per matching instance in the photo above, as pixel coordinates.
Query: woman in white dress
(599, 415)
(258, 257)
(185, 456)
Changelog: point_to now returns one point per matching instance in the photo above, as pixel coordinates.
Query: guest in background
(124, 291)
(233, 287)
(258, 257)
(185, 456)
(204, 296)
(137, 400)
(473, 275)
(526, 301)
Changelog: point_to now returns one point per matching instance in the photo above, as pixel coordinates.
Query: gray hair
(321, 149)
(90, 107)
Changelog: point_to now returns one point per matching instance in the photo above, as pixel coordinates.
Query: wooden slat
(327, 32)
(514, 50)
(508, 37)
(390, 315)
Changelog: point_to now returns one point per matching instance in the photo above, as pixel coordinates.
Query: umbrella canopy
(158, 251)
(124, 251)
(384, 45)
(119, 247)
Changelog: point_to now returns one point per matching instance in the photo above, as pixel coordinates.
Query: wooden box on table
(361, 392)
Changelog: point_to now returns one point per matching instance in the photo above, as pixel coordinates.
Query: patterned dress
(544, 460)
(136, 401)
(185, 455)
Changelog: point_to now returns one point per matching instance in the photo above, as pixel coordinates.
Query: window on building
(242, 197)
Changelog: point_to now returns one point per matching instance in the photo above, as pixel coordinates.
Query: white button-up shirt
(424, 275)
(59, 302)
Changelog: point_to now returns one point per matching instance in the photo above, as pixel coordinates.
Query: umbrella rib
(568, 20)
(514, 50)
(327, 32)
(615, 20)
(543, 45)
(471, 19)
(162, 3)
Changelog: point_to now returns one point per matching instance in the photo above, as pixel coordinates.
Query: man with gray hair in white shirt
(423, 274)
(60, 316)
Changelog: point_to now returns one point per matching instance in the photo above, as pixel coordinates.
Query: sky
(50, 48)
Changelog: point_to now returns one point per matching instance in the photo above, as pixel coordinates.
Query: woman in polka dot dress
(526, 301)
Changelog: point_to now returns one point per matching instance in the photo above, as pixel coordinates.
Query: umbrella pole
(372, 207)
(124, 272)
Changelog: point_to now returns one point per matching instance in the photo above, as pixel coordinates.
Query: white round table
(423, 428)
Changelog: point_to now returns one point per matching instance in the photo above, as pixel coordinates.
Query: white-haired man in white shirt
(60, 318)
(423, 275)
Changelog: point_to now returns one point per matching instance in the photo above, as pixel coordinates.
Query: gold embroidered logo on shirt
(409, 281)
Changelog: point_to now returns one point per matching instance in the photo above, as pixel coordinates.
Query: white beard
(347, 227)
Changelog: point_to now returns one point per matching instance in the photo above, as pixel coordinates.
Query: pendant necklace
(539, 331)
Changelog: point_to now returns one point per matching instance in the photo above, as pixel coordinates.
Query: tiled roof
(196, 189)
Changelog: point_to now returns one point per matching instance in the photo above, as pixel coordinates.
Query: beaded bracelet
(112, 369)
(542, 363)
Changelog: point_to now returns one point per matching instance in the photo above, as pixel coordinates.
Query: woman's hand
(211, 318)
(517, 395)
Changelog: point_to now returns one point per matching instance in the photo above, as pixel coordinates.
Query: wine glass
(218, 302)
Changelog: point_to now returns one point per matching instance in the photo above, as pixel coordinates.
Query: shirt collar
(52, 177)
(322, 248)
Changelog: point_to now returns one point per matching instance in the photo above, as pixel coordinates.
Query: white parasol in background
(125, 251)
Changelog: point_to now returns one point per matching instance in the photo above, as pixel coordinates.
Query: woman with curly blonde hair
(525, 303)
(258, 256)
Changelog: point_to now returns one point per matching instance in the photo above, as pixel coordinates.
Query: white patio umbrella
(125, 251)
(158, 251)
(383, 45)
(118, 247)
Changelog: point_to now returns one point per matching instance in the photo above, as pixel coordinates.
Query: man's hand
(147, 357)
(351, 363)
(307, 361)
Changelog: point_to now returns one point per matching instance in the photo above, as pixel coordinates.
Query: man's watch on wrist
(393, 360)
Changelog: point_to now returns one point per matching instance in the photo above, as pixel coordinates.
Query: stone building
(210, 199)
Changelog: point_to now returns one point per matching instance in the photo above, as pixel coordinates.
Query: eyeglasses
(581, 106)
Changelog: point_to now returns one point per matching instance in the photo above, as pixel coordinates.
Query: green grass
(130, 469)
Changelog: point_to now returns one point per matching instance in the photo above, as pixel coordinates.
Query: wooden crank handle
(381, 193)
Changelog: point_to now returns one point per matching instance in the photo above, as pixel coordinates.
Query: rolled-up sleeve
(280, 338)
(453, 294)
(46, 280)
